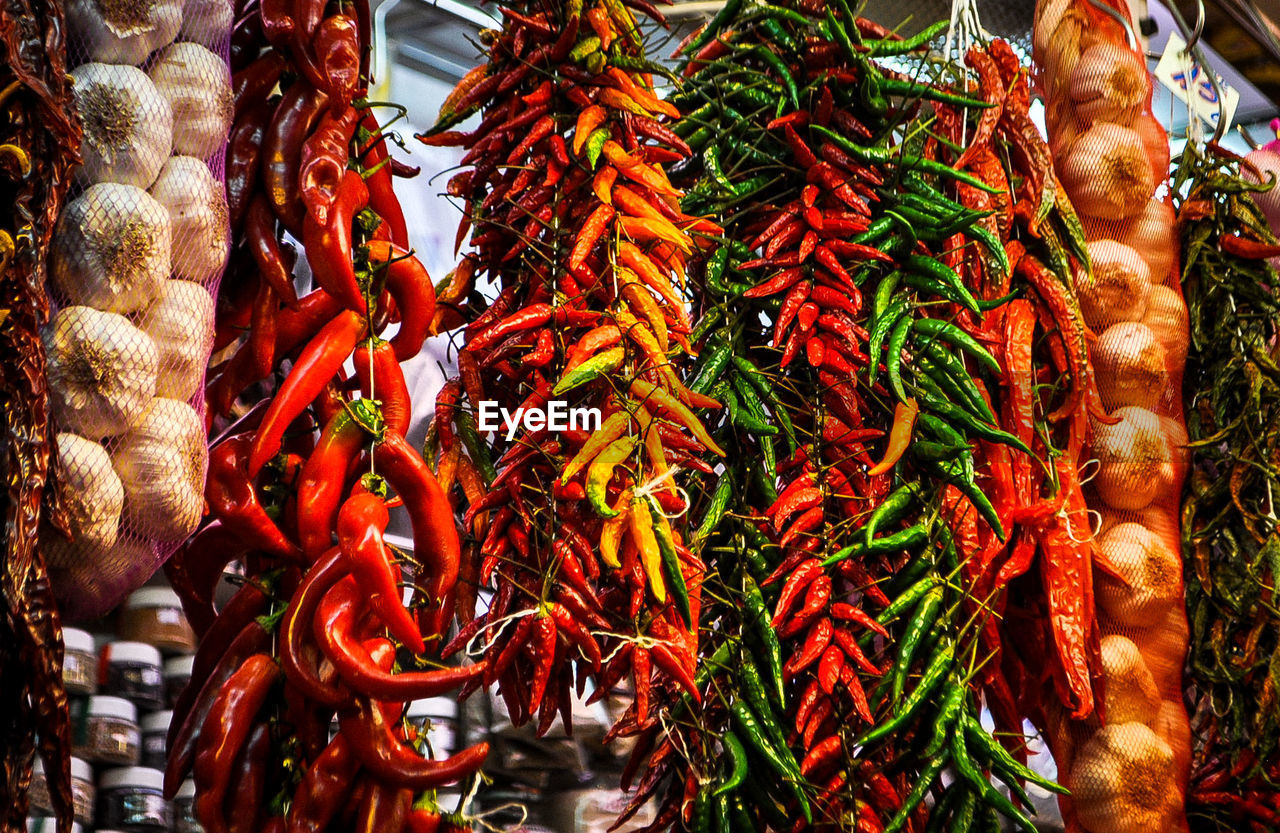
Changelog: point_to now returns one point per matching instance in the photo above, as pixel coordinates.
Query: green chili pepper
(964, 813)
(701, 816)
(943, 274)
(477, 450)
(697, 120)
(908, 538)
(916, 41)
(841, 36)
(877, 231)
(772, 12)
(893, 508)
(765, 478)
(908, 598)
(749, 728)
(950, 367)
(909, 89)
(889, 319)
(942, 812)
(989, 819)
(922, 620)
(595, 145)
(633, 63)
(727, 13)
(584, 47)
(758, 619)
(711, 319)
(962, 479)
(933, 287)
(948, 717)
(604, 362)
(670, 562)
(753, 690)
(715, 359)
(953, 335)
(774, 62)
(716, 508)
(753, 408)
(958, 416)
(924, 782)
(737, 762)
(893, 356)
(722, 822)
(711, 162)
(968, 770)
(892, 156)
(773, 29)
(1001, 760)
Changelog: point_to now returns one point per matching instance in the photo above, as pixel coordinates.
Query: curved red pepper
(328, 245)
(323, 481)
(295, 627)
(233, 499)
(335, 629)
(362, 521)
(435, 537)
(319, 361)
(381, 378)
(378, 750)
(382, 195)
(409, 284)
(292, 122)
(324, 789)
(324, 162)
(336, 42)
(244, 161)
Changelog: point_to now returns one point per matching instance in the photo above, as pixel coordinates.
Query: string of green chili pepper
(925, 780)
(893, 156)
(968, 770)
(670, 562)
(958, 377)
(906, 539)
(885, 321)
(758, 619)
(737, 762)
(923, 618)
(994, 751)
(957, 416)
(893, 508)
(750, 729)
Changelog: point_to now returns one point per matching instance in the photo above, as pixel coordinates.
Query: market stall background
(421, 50)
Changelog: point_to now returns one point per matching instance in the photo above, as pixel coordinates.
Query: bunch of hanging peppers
(39, 146)
(851, 678)
(579, 534)
(1230, 542)
(301, 486)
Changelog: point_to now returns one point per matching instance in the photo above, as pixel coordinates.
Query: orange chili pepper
(602, 184)
(591, 231)
(588, 120)
(646, 229)
(904, 423)
(599, 21)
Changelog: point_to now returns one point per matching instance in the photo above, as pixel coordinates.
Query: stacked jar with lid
(121, 687)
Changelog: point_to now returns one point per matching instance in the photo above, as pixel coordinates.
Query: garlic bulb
(1131, 694)
(124, 31)
(128, 125)
(1107, 172)
(1150, 234)
(1109, 83)
(91, 496)
(1172, 726)
(162, 464)
(1166, 315)
(207, 22)
(1117, 287)
(102, 371)
(197, 207)
(1134, 459)
(197, 84)
(1153, 572)
(111, 248)
(180, 323)
(1130, 367)
(1120, 781)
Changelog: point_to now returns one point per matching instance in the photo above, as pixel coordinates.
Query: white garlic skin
(162, 463)
(128, 124)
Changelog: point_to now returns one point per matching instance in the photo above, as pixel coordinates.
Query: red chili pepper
(336, 45)
(244, 165)
(196, 568)
(296, 627)
(224, 732)
(329, 245)
(233, 499)
(323, 165)
(260, 234)
(362, 521)
(324, 788)
(378, 750)
(1247, 249)
(381, 378)
(435, 536)
(409, 284)
(323, 357)
(245, 805)
(292, 122)
(262, 330)
(378, 178)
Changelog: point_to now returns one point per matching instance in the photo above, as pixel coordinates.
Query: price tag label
(1189, 82)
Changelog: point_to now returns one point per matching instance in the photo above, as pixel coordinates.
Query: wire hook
(1193, 48)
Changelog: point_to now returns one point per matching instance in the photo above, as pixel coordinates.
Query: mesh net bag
(1128, 770)
(135, 263)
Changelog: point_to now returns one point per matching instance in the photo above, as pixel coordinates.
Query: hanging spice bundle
(580, 532)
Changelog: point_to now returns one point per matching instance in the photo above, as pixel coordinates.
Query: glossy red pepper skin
(384, 808)
(435, 537)
(244, 805)
(337, 49)
(260, 236)
(224, 732)
(409, 284)
(194, 570)
(328, 245)
(323, 482)
(334, 629)
(381, 377)
(295, 630)
(293, 121)
(422, 820)
(244, 161)
(324, 161)
(362, 521)
(382, 197)
(254, 83)
(318, 362)
(324, 788)
(262, 330)
(232, 499)
(376, 747)
(188, 721)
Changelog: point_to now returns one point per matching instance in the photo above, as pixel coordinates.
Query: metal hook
(1194, 40)
(1248, 137)
(1120, 18)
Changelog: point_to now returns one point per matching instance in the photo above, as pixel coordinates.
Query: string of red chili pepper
(578, 533)
(305, 638)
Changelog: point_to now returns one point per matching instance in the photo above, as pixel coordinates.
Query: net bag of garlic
(135, 263)
(1127, 765)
